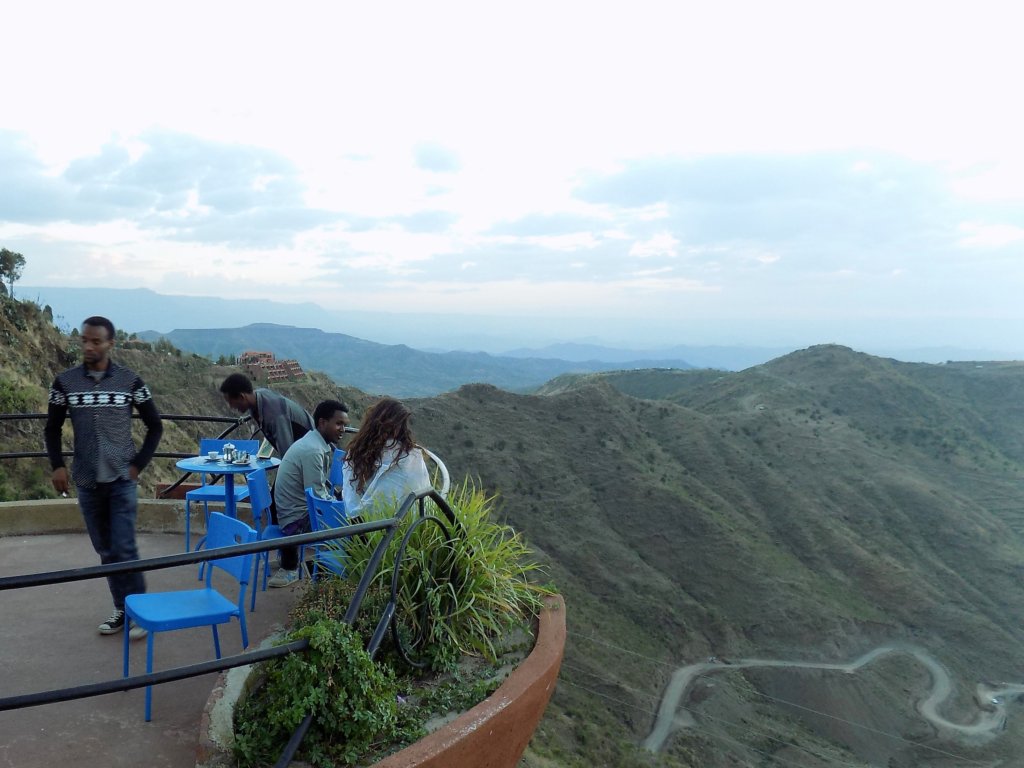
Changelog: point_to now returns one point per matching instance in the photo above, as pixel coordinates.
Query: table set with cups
(229, 463)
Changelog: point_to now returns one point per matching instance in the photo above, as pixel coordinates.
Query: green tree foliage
(11, 266)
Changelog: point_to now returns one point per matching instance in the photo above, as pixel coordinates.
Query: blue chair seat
(215, 493)
(160, 612)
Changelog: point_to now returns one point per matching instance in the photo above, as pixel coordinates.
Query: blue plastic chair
(207, 493)
(166, 611)
(336, 477)
(259, 498)
(324, 514)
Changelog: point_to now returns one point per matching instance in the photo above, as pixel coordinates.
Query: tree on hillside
(11, 266)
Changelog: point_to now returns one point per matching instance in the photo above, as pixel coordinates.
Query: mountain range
(384, 368)
(811, 508)
(566, 338)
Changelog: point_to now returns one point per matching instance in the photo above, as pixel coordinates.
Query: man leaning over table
(307, 464)
(281, 420)
(100, 395)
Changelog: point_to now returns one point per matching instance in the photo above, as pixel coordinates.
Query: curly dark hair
(386, 421)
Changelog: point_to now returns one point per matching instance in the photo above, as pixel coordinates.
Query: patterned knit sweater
(101, 413)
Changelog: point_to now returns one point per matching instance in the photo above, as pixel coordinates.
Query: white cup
(213, 455)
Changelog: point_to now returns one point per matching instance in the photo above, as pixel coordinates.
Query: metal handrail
(167, 416)
(390, 525)
(234, 421)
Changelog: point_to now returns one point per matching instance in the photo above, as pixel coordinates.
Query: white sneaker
(135, 632)
(283, 578)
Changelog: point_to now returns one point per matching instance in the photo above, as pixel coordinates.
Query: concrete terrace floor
(48, 640)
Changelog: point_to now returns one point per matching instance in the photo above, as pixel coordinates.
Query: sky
(661, 172)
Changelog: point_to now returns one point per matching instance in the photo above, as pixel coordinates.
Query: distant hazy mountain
(567, 338)
(393, 369)
(141, 309)
(723, 358)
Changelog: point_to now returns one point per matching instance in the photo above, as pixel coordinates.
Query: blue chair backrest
(224, 531)
(208, 444)
(259, 496)
(324, 514)
(335, 477)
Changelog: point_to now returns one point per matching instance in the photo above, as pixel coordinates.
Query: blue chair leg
(188, 527)
(216, 640)
(149, 670)
(265, 557)
(202, 541)
(126, 646)
(245, 631)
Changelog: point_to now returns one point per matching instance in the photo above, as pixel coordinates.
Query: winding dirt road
(987, 722)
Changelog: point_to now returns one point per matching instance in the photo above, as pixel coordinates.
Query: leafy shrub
(354, 701)
(17, 399)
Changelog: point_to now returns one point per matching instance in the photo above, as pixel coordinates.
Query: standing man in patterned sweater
(100, 395)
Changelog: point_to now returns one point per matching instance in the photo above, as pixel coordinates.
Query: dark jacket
(283, 421)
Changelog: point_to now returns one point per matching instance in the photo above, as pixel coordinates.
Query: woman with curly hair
(382, 464)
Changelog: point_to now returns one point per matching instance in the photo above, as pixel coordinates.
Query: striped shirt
(101, 415)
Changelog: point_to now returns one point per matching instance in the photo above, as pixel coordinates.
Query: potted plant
(462, 592)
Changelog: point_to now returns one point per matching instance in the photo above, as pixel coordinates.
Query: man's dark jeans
(290, 555)
(109, 510)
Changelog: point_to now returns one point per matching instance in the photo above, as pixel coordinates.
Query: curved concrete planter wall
(493, 734)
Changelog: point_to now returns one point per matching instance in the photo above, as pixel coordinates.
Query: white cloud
(652, 272)
(980, 235)
(662, 244)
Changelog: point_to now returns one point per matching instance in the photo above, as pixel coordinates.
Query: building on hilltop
(262, 366)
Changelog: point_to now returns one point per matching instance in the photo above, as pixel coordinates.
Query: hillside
(395, 369)
(812, 508)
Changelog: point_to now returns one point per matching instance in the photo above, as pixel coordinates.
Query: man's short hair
(235, 385)
(327, 409)
(100, 322)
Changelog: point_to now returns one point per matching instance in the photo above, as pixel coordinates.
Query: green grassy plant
(455, 597)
